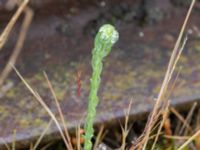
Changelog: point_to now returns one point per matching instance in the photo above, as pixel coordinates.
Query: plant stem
(104, 40)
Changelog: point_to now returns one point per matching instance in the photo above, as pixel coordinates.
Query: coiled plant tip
(104, 40)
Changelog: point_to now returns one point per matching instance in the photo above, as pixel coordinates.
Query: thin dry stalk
(99, 137)
(189, 140)
(125, 129)
(165, 115)
(154, 135)
(59, 110)
(171, 89)
(172, 70)
(103, 135)
(78, 137)
(138, 144)
(14, 139)
(178, 126)
(176, 59)
(6, 145)
(19, 45)
(180, 117)
(47, 146)
(174, 137)
(7, 30)
(188, 118)
(40, 100)
(42, 135)
(171, 66)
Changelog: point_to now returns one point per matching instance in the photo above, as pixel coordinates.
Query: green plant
(104, 40)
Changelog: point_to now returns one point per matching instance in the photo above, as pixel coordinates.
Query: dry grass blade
(138, 144)
(188, 118)
(171, 66)
(40, 100)
(6, 145)
(78, 137)
(14, 139)
(59, 110)
(125, 129)
(171, 89)
(174, 137)
(6, 32)
(99, 137)
(179, 116)
(19, 45)
(47, 146)
(176, 60)
(42, 135)
(165, 115)
(189, 140)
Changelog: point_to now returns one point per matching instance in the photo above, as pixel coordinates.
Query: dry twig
(20, 42)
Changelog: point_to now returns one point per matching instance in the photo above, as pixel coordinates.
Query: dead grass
(195, 135)
(99, 137)
(188, 120)
(40, 100)
(160, 111)
(59, 110)
(164, 115)
(41, 136)
(19, 44)
(78, 138)
(126, 129)
(181, 118)
(5, 144)
(161, 100)
(20, 41)
(14, 139)
(9, 27)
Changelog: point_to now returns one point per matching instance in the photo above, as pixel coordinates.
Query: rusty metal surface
(61, 46)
